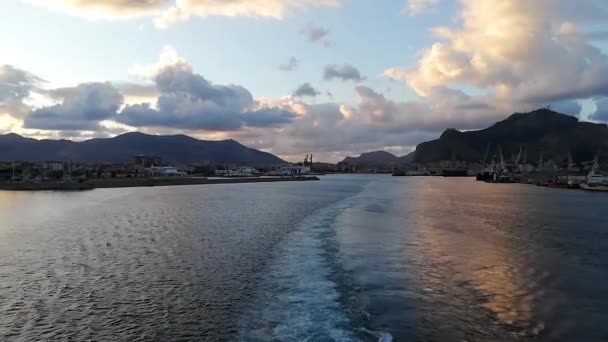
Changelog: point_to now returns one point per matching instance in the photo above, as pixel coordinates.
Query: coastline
(144, 182)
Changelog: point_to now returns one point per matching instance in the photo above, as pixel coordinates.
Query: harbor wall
(145, 182)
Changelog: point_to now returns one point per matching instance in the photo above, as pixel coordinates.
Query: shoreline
(144, 182)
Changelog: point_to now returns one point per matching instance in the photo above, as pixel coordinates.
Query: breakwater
(144, 182)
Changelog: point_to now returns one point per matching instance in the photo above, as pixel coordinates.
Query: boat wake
(382, 336)
(298, 301)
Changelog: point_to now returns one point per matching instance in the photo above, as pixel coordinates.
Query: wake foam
(298, 301)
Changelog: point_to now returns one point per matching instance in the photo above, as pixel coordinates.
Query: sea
(346, 258)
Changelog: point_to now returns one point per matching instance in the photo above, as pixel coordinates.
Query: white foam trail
(385, 337)
(299, 302)
(381, 335)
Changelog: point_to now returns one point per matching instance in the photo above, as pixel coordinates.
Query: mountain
(378, 158)
(541, 133)
(408, 158)
(174, 149)
(372, 159)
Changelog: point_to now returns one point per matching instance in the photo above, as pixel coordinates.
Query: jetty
(143, 182)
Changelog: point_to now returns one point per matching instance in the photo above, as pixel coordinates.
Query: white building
(164, 171)
(292, 170)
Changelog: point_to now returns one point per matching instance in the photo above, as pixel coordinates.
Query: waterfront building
(163, 171)
(146, 161)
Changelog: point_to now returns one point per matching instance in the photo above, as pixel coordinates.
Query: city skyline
(330, 77)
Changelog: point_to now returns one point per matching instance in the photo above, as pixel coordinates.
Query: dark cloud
(81, 108)
(189, 101)
(267, 117)
(15, 86)
(475, 105)
(344, 72)
(317, 35)
(175, 112)
(596, 35)
(291, 65)
(136, 89)
(305, 89)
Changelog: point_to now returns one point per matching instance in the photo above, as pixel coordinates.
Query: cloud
(168, 57)
(275, 9)
(344, 72)
(526, 51)
(601, 111)
(444, 108)
(374, 122)
(104, 9)
(16, 85)
(291, 65)
(80, 108)
(138, 90)
(305, 89)
(317, 35)
(415, 7)
(167, 12)
(189, 101)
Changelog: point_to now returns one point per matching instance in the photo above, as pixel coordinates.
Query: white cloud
(415, 7)
(167, 12)
(526, 51)
(104, 9)
(168, 57)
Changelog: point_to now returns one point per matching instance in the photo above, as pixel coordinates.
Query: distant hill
(541, 133)
(408, 158)
(175, 149)
(372, 158)
(378, 158)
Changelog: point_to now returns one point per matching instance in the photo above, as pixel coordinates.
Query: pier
(143, 182)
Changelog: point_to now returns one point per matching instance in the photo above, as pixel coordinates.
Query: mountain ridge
(540, 134)
(177, 149)
(377, 158)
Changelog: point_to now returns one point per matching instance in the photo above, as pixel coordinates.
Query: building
(53, 166)
(146, 161)
(163, 171)
(238, 172)
(292, 170)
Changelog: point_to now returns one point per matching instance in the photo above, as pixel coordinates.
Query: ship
(596, 181)
(500, 173)
(486, 174)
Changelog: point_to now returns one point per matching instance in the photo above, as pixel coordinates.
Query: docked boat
(454, 172)
(596, 181)
(590, 187)
(486, 174)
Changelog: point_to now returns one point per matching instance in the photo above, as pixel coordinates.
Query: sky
(292, 77)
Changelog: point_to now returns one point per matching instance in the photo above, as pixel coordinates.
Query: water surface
(348, 258)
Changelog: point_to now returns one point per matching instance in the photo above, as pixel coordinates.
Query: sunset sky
(330, 77)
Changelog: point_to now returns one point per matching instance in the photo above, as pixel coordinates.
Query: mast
(485, 156)
(311, 163)
(502, 160)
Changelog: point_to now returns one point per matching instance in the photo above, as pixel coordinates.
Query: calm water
(349, 258)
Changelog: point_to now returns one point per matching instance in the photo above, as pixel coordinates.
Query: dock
(143, 182)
